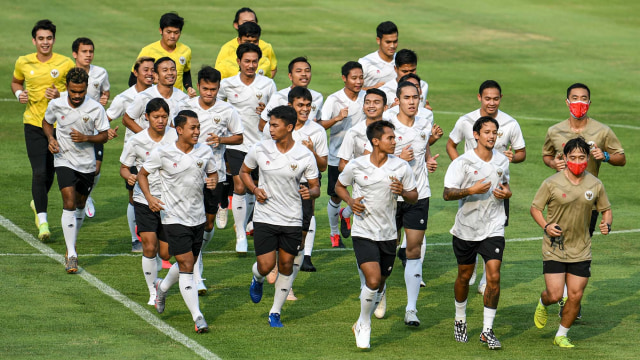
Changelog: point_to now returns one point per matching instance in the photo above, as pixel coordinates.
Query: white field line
(223, 252)
(143, 313)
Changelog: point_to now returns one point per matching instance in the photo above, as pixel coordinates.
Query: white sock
(42, 217)
(282, 286)
(131, 219)
(79, 214)
(542, 303)
(347, 212)
(198, 268)
(332, 213)
(562, 331)
(461, 311)
(171, 277)
(257, 274)
(239, 214)
(250, 199)
(150, 271)
(564, 294)
(489, 315)
(311, 237)
(363, 281)
(297, 261)
(68, 222)
(412, 278)
(367, 305)
(404, 241)
(190, 294)
(423, 249)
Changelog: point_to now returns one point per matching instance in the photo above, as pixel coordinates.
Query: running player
(378, 66)
(406, 62)
(248, 33)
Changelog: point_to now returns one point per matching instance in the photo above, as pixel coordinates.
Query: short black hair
(156, 104)
(171, 19)
(376, 129)
(242, 10)
(182, 116)
(285, 113)
(386, 28)
(410, 76)
(297, 60)
(247, 48)
(249, 29)
(489, 84)
(376, 91)
(578, 86)
(578, 143)
(403, 85)
(160, 61)
(299, 92)
(77, 76)
(45, 24)
(209, 74)
(141, 60)
(406, 56)
(481, 121)
(81, 41)
(350, 65)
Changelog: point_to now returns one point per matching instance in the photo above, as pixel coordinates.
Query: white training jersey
(416, 136)
(89, 119)
(98, 82)
(508, 132)
(280, 178)
(422, 112)
(318, 135)
(182, 180)
(221, 119)
(377, 70)
(119, 106)
(282, 98)
(390, 88)
(355, 142)
(481, 215)
(136, 151)
(138, 107)
(378, 221)
(336, 102)
(245, 99)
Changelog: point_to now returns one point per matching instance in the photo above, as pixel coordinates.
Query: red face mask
(578, 109)
(577, 168)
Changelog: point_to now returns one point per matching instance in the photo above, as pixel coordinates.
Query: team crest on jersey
(217, 120)
(313, 107)
(423, 135)
(55, 73)
(500, 172)
(259, 95)
(199, 163)
(85, 118)
(96, 84)
(261, 72)
(182, 60)
(500, 133)
(293, 166)
(588, 195)
(592, 144)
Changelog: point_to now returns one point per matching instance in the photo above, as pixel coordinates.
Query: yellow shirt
(37, 77)
(181, 55)
(228, 66)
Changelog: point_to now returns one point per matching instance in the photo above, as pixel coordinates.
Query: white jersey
(508, 132)
(119, 106)
(280, 178)
(89, 119)
(182, 180)
(136, 152)
(336, 102)
(245, 99)
(377, 70)
(318, 135)
(98, 82)
(282, 98)
(138, 107)
(481, 215)
(423, 112)
(378, 221)
(390, 88)
(355, 142)
(417, 136)
(221, 119)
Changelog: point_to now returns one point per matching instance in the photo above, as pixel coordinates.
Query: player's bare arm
(47, 128)
(126, 174)
(356, 205)
(155, 204)
(212, 180)
(409, 196)
(17, 87)
(552, 229)
(329, 123)
(452, 150)
(78, 137)
(130, 123)
(480, 187)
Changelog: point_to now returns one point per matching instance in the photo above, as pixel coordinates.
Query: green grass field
(534, 49)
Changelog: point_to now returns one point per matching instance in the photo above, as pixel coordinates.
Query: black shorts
(182, 239)
(332, 175)
(412, 216)
(212, 198)
(268, 238)
(235, 159)
(133, 170)
(148, 221)
(490, 248)
(307, 211)
(382, 252)
(582, 268)
(99, 150)
(82, 182)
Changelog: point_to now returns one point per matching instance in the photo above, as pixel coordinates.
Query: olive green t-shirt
(569, 206)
